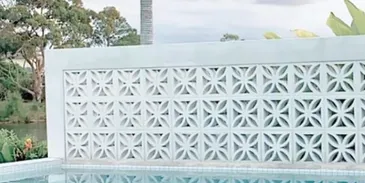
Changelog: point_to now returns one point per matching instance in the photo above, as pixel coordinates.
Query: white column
(146, 22)
(55, 105)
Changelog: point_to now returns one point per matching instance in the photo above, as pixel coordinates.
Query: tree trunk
(38, 85)
(146, 22)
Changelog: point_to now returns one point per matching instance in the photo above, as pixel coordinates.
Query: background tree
(13, 79)
(31, 26)
(112, 29)
(132, 38)
(229, 37)
(109, 27)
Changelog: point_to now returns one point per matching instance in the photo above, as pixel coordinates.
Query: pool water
(181, 177)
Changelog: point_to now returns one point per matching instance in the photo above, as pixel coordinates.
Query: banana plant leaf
(271, 35)
(304, 33)
(354, 28)
(338, 27)
(358, 17)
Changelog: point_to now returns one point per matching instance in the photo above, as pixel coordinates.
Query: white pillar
(146, 22)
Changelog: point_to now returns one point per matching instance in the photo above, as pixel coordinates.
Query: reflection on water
(37, 130)
(186, 177)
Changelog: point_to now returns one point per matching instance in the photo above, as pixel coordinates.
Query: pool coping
(26, 169)
(30, 167)
(260, 168)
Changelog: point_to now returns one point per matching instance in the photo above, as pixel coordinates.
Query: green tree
(132, 38)
(109, 27)
(13, 79)
(31, 26)
(229, 37)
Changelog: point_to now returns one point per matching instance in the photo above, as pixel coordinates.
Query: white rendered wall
(287, 101)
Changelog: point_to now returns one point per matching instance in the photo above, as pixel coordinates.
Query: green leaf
(304, 33)
(338, 27)
(2, 160)
(8, 152)
(354, 28)
(271, 35)
(31, 156)
(40, 150)
(357, 15)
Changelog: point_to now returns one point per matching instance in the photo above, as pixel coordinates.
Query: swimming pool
(122, 176)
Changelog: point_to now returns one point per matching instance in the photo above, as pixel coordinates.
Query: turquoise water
(182, 177)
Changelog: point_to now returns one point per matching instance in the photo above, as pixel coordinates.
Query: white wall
(287, 101)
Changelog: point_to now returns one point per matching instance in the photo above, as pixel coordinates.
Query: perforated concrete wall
(290, 101)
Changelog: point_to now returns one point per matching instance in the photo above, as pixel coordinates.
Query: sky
(177, 21)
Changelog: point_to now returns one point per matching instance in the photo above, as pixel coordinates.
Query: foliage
(13, 78)
(9, 45)
(111, 29)
(35, 111)
(303, 33)
(28, 27)
(6, 148)
(12, 107)
(15, 110)
(7, 154)
(14, 149)
(26, 149)
(271, 35)
(338, 26)
(39, 151)
(229, 37)
(132, 38)
(298, 32)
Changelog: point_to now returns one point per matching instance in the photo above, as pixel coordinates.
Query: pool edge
(225, 169)
(29, 168)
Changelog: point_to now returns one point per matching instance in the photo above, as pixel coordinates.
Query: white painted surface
(298, 97)
(30, 165)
